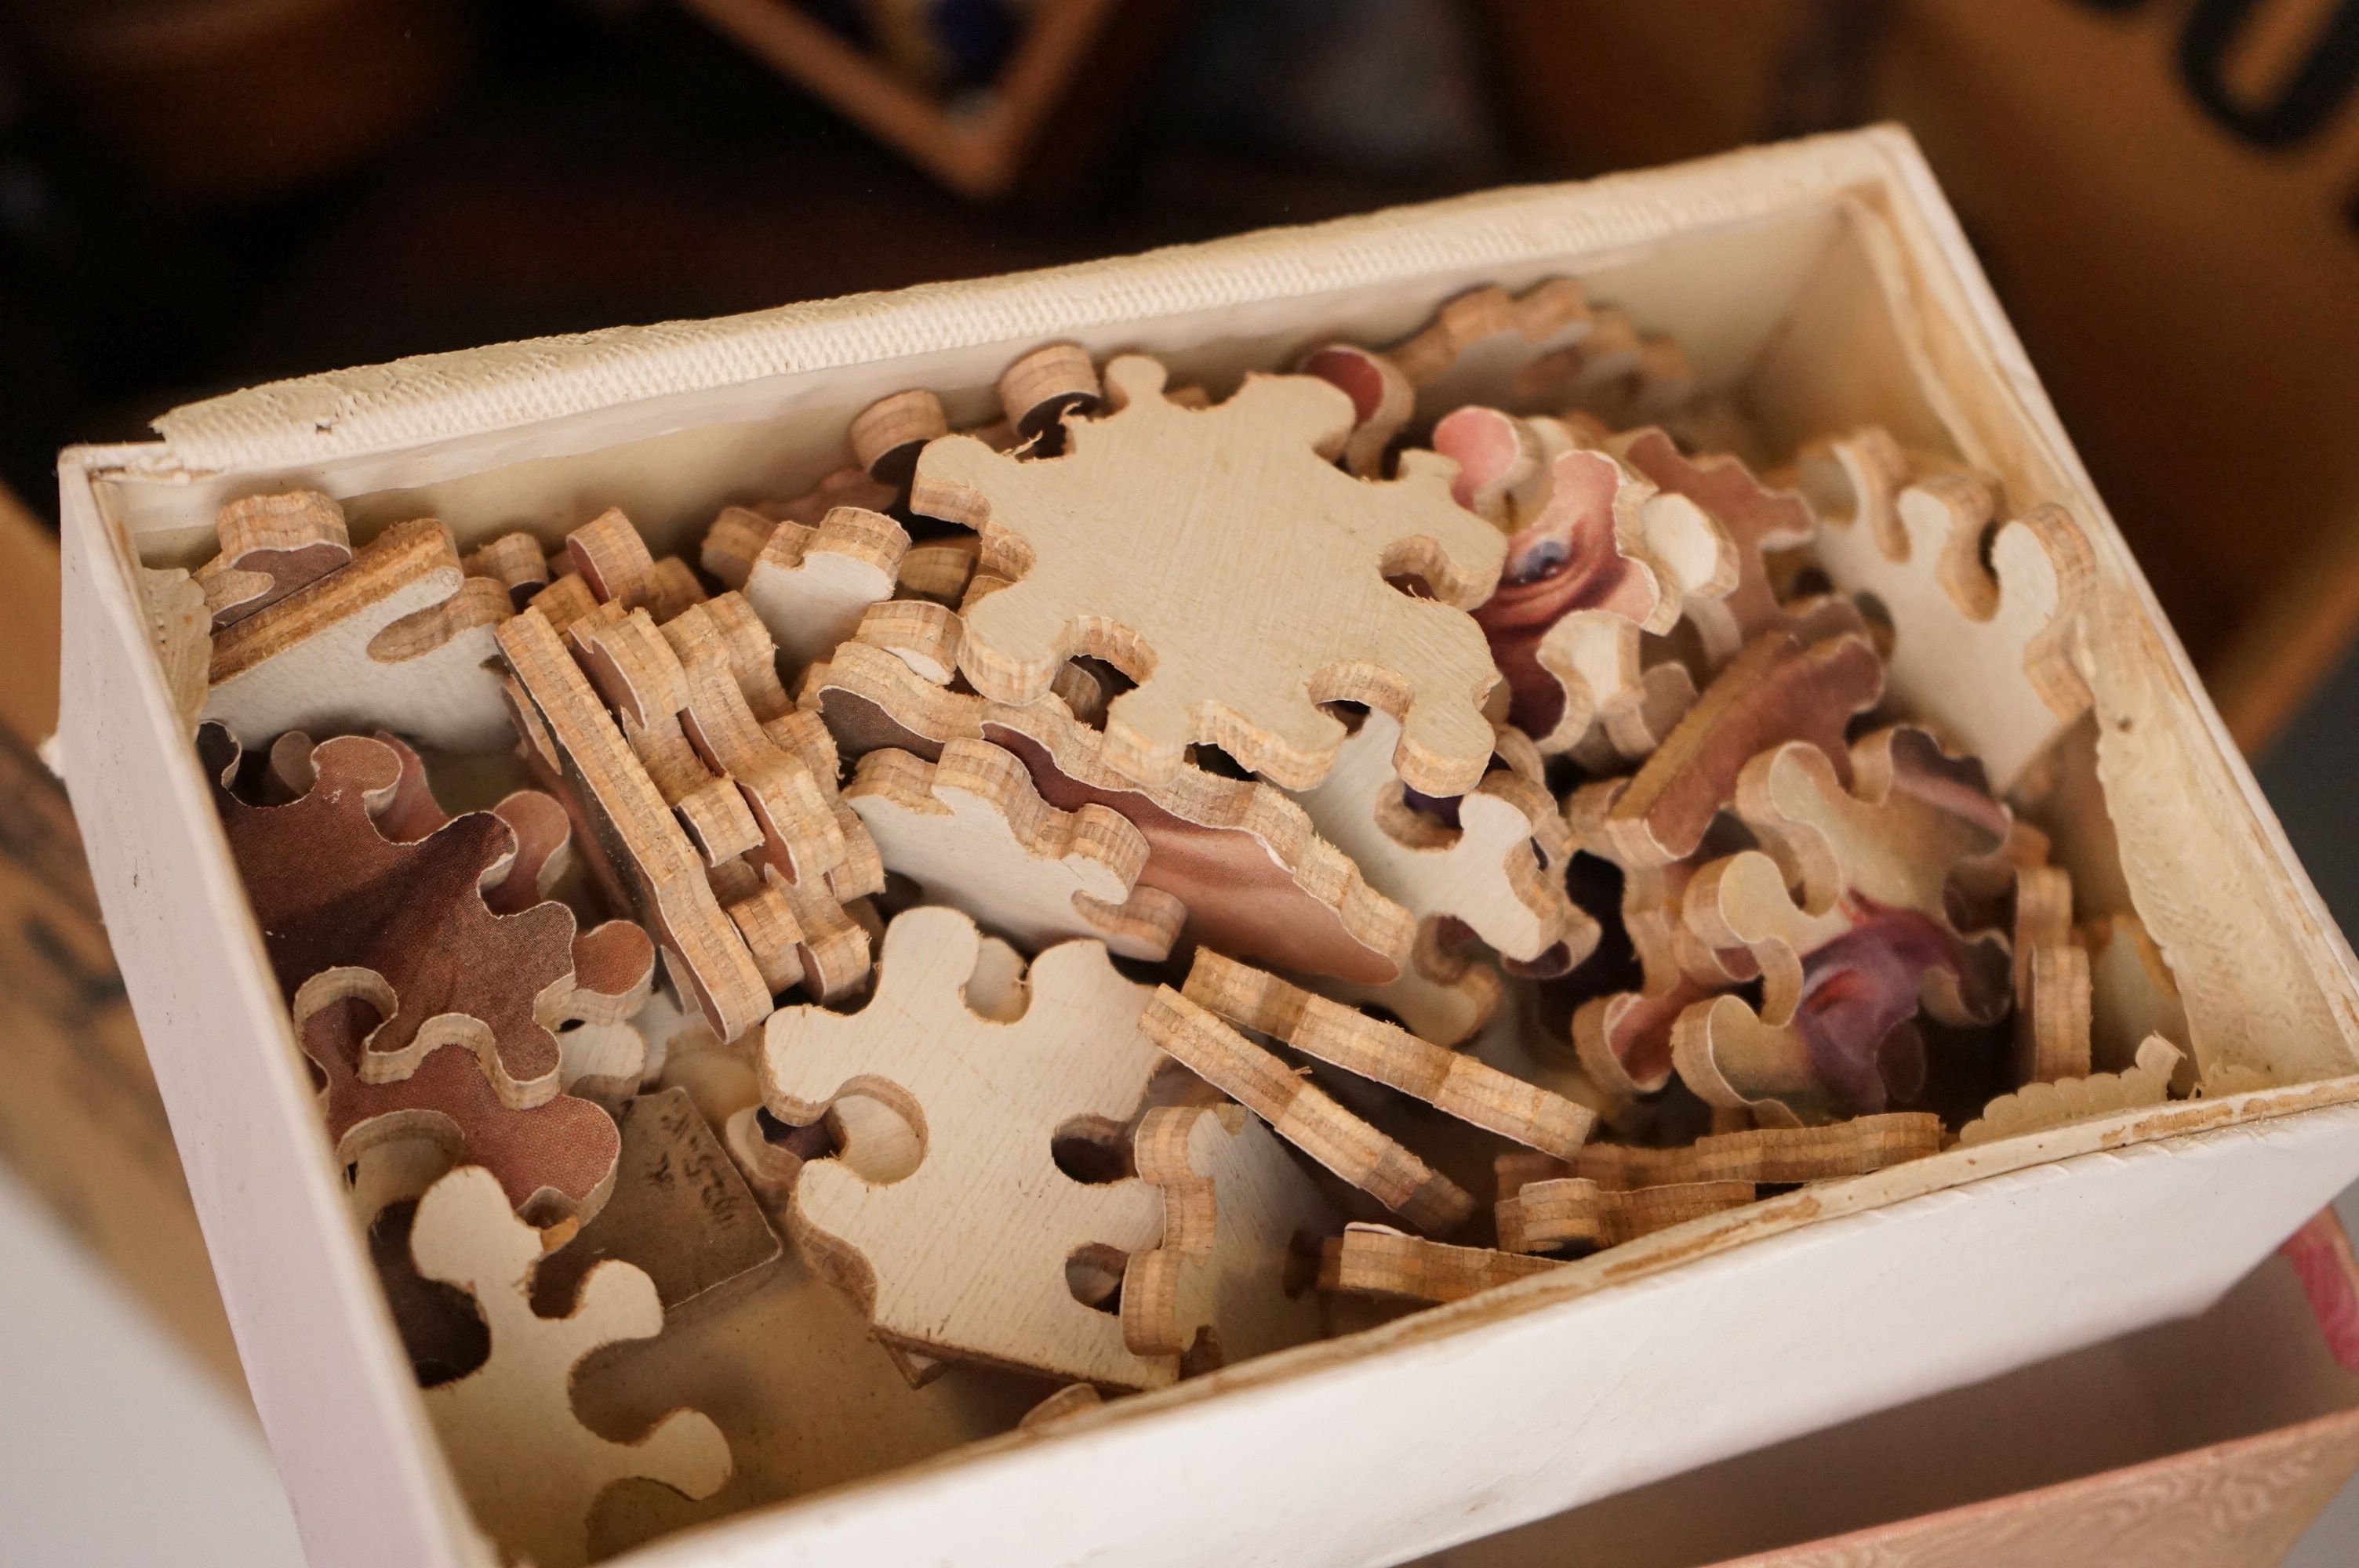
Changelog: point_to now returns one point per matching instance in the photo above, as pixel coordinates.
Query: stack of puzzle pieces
(1148, 883)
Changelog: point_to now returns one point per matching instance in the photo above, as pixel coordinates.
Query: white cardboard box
(1825, 283)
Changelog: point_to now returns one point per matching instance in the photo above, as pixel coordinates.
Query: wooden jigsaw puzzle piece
(1919, 550)
(329, 890)
(1443, 992)
(400, 639)
(968, 1255)
(1757, 519)
(2052, 980)
(271, 545)
(1775, 690)
(1246, 862)
(1242, 1222)
(529, 1469)
(2053, 1102)
(809, 584)
(1305, 1116)
(1459, 1085)
(555, 1159)
(1770, 1155)
(1569, 1211)
(1199, 594)
(1382, 401)
(633, 826)
(974, 834)
(1595, 556)
(1377, 1261)
(1487, 872)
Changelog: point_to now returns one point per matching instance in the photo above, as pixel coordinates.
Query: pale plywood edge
(435, 398)
(101, 606)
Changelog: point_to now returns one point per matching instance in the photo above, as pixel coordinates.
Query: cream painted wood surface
(1855, 300)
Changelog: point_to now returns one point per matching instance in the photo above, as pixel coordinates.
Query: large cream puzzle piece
(1241, 1221)
(967, 1255)
(1220, 558)
(1920, 549)
(973, 833)
(400, 639)
(529, 1469)
(1487, 872)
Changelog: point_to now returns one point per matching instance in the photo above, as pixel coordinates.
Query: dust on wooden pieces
(974, 833)
(270, 546)
(530, 1469)
(1242, 1224)
(1572, 1211)
(401, 638)
(1377, 1261)
(969, 1254)
(1770, 1156)
(1304, 1115)
(1207, 607)
(1916, 537)
(1458, 1084)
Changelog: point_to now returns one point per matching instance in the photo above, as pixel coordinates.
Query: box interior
(1798, 323)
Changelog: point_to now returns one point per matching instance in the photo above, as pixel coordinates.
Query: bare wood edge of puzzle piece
(1457, 1084)
(272, 545)
(1305, 1116)
(2053, 981)
(1569, 1211)
(498, 1422)
(1231, 1277)
(396, 622)
(2053, 1103)
(1072, 851)
(1770, 1156)
(634, 826)
(1378, 1261)
(458, 1098)
(808, 583)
